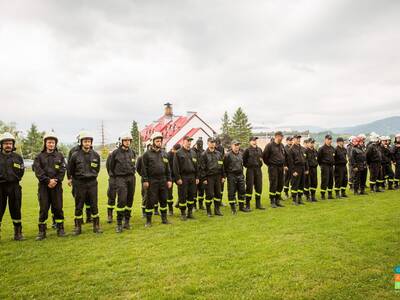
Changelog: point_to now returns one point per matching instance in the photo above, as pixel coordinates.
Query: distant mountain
(385, 126)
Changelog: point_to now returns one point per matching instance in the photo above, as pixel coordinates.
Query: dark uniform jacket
(326, 155)
(49, 166)
(185, 164)
(395, 154)
(340, 156)
(84, 165)
(358, 158)
(155, 165)
(233, 163)
(122, 162)
(11, 167)
(252, 157)
(211, 163)
(297, 157)
(72, 151)
(312, 157)
(386, 155)
(374, 154)
(274, 155)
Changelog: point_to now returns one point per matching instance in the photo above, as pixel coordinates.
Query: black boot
(390, 186)
(208, 208)
(330, 196)
(42, 232)
(299, 199)
(148, 220)
(190, 212)
(272, 200)
(156, 213)
(258, 204)
(201, 205)
(322, 196)
(338, 194)
(248, 199)
(143, 212)
(164, 219)
(344, 195)
(170, 208)
(396, 185)
(363, 192)
(378, 189)
(96, 225)
(60, 230)
(278, 201)
(313, 198)
(127, 220)
(54, 224)
(294, 197)
(78, 227)
(109, 215)
(243, 208)
(233, 208)
(18, 232)
(88, 216)
(308, 197)
(217, 211)
(372, 188)
(183, 214)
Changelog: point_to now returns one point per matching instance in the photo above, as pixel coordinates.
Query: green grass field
(337, 249)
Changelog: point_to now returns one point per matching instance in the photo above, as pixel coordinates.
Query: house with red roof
(174, 128)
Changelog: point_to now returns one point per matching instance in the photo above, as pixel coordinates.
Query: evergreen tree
(33, 143)
(136, 142)
(241, 128)
(226, 130)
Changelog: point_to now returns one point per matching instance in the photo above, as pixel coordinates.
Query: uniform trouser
(326, 179)
(144, 196)
(253, 179)
(50, 198)
(187, 192)
(86, 190)
(297, 181)
(213, 189)
(11, 191)
(86, 201)
(397, 173)
(359, 178)
(351, 175)
(388, 174)
(200, 192)
(375, 173)
(236, 186)
(287, 179)
(276, 180)
(341, 179)
(125, 186)
(111, 193)
(311, 181)
(157, 192)
(170, 197)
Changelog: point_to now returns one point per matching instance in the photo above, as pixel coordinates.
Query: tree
(136, 142)
(226, 130)
(241, 128)
(33, 143)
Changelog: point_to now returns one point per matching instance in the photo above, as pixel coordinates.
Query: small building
(175, 127)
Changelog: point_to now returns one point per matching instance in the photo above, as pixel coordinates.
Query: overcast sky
(68, 64)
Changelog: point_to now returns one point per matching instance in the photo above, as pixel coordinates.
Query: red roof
(191, 133)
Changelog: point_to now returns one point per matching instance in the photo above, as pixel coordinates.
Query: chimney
(168, 110)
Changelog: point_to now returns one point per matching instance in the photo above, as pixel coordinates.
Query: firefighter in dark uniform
(122, 168)
(388, 174)
(312, 176)
(326, 160)
(297, 162)
(396, 160)
(11, 172)
(374, 161)
(358, 163)
(233, 164)
(139, 171)
(221, 149)
(170, 199)
(274, 157)
(186, 172)
(111, 192)
(252, 160)
(87, 202)
(50, 170)
(156, 175)
(287, 173)
(198, 148)
(83, 168)
(213, 175)
(341, 177)
(349, 149)
(306, 146)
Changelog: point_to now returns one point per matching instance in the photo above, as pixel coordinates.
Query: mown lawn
(338, 249)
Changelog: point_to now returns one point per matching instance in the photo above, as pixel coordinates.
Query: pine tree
(33, 143)
(136, 142)
(241, 128)
(226, 130)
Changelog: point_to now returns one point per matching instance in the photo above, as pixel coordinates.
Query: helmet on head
(374, 137)
(351, 138)
(6, 136)
(50, 135)
(85, 135)
(156, 135)
(397, 136)
(362, 136)
(125, 136)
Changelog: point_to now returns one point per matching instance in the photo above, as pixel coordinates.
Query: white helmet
(397, 136)
(374, 137)
(125, 136)
(85, 135)
(352, 138)
(362, 136)
(50, 135)
(6, 136)
(156, 135)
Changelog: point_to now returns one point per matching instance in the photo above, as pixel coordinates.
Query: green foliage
(33, 143)
(136, 142)
(240, 128)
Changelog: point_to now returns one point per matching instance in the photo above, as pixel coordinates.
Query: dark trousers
(144, 196)
(86, 201)
(253, 179)
(157, 192)
(213, 189)
(341, 178)
(200, 192)
(187, 192)
(125, 190)
(236, 186)
(297, 181)
(375, 173)
(11, 192)
(170, 197)
(111, 193)
(326, 179)
(50, 198)
(388, 174)
(276, 180)
(287, 178)
(397, 173)
(359, 178)
(86, 190)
